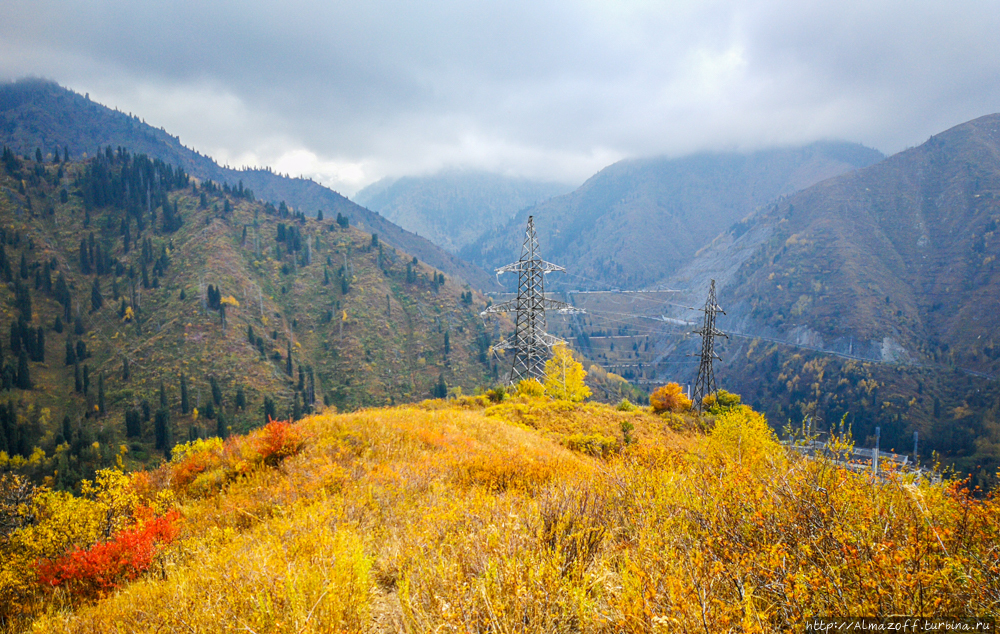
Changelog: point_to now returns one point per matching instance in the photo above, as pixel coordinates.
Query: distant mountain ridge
(39, 113)
(884, 282)
(456, 207)
(637, 221)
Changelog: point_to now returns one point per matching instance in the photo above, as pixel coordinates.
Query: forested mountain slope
(41, 114)
(121, 275)
(894, 265)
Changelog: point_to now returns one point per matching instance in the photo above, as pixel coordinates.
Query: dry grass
(446, 519)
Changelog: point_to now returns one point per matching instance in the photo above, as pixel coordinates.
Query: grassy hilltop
(474, 516)
(152, 276)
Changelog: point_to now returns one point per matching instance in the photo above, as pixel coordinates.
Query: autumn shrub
(192, 459)
(625, 405)
(531, 388)
(574, 523)
(497, 394)
(743, 435)
(718, 402)
(669, 398)
(595, 444)
(278, 440)
(91, 572)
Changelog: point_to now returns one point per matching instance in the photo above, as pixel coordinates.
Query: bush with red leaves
(278, 440)
(97, 570)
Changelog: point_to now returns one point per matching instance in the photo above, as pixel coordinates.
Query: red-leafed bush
(97, 570)
(278, 440)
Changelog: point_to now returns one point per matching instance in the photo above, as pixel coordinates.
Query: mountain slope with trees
(41, 114)
(892, 270)
(134, 295)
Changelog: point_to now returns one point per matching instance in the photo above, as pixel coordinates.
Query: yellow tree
(564, 375)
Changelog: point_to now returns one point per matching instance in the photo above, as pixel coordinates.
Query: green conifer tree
(96, 299)
(101, 404)
(23, 376)
(185, 403)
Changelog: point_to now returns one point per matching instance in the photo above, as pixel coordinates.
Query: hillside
(41, 114)
(893, 268)
(455, 208)
(473, 516)
(122, 274)
(637, 221)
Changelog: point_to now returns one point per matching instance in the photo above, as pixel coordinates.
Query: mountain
(637, 221)
(455, 208)
(41, 114)
(885, 280)
(119, 274)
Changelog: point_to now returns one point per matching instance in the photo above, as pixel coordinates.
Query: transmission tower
(530, 342)
(705, 383)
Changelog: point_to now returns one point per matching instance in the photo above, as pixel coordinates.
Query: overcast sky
(349, 92)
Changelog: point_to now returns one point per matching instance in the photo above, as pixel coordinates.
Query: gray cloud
(350, 92)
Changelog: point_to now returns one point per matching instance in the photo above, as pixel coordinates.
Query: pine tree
(270, 412)
(86, 379)
(185, 404)
(23, 378)
(96, 299)
(163, 435)
(241, 398)
(447, 343)
(77, 380)
(40, 345)
(216, 391)
(126, 371)
(163, 396)
(101, 409)
(220, 425)
(288, 361)
(440, 389)
(24, 267)
(296, 408)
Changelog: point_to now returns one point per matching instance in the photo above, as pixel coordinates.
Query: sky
(349, 92)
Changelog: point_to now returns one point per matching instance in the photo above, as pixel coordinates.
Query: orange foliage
(278, 440)
(669, 398)
(97, 570)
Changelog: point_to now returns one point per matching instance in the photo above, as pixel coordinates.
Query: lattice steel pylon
(530, 343)
(705, 383)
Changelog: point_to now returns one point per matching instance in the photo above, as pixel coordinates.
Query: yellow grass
(463, 518)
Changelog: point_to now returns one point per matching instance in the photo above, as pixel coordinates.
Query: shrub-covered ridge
(459, 516)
